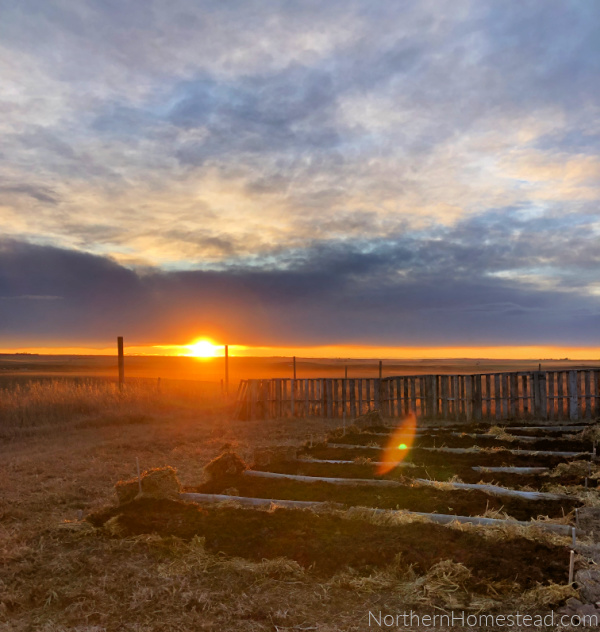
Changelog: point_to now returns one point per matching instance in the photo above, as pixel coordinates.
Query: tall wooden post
(294, 367)
(226, 369)
(121, 362)
(477, 398)
(381, 393)
(469, 397)
(572, 390)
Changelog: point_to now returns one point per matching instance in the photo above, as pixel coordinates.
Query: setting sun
(202, 349)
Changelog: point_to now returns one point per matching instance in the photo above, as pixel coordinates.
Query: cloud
(399, 293)
(420, 156)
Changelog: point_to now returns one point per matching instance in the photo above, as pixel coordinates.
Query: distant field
(213, 369)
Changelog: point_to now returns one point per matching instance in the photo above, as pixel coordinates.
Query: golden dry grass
(35, 406)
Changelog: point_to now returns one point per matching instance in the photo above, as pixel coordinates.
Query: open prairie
(213, 369)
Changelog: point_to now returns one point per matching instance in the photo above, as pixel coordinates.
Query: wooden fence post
(389, 392)
(535, 382)
(543, 396)
(306, 398)
(488, 396)
(293, 397)
(469, 397)
(514, 395)
(252, 391)
(526, 395)
(444, 389)
(265, 388)
(505, 396)
(551, 399)
(431, 396)
(121, 362)
(278, 396)
(336, 397)
(323, 396)
(573, 396)
(560, 394)
(477, 412)
(455, 396)
(597, 390)
(227, 370)
(359, 388)
(497, 397)
(588, 395)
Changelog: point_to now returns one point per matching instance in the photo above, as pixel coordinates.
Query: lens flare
(399, 445)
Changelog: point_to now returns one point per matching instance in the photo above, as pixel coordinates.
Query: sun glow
(202, 349)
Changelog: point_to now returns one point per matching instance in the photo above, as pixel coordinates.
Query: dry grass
(576, 468)
(501, 434)
(443, 587)
(591, 433)
(37, 406)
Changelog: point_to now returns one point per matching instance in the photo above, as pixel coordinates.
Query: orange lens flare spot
(399, 445)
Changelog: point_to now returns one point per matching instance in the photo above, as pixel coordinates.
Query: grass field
(64, 444)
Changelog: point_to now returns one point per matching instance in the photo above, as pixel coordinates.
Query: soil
(438, 473)
(328, 543)
(411, 497)
(428, 458)
(512, 427)
(440, 439)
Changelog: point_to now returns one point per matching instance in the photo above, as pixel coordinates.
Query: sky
(300, 174)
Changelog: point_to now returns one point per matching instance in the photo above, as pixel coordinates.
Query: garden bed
(409, 496)
(328, 543)
(438, 472)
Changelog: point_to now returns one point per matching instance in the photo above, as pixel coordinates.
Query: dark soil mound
(427, 457)
(412, 497)
(160, 482)
(440, 438)
(433, 472)
(329, 543)
(226, 464)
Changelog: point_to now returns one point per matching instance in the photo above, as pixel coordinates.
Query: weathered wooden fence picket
(493, 396)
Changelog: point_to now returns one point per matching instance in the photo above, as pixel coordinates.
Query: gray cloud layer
(403, 172)
(402, 292)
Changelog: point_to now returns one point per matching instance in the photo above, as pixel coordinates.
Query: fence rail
(492, 396)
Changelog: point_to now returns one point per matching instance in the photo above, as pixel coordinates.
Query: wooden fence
(492, 396)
